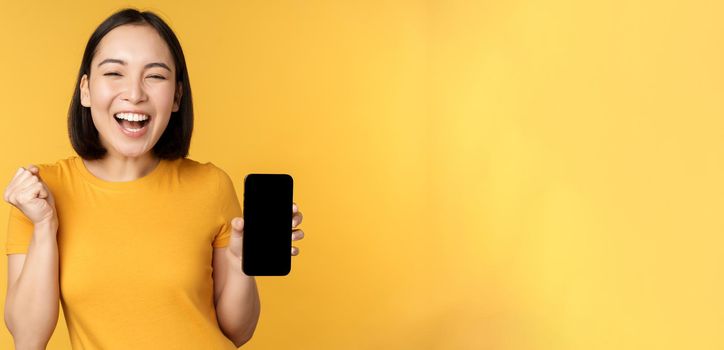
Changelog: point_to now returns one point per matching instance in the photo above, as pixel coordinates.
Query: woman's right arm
(31, 306)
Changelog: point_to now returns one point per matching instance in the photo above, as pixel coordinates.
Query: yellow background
(473, 175)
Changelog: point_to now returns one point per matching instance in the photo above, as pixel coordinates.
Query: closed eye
(150, 76)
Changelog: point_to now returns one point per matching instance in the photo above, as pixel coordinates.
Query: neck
(119, 168)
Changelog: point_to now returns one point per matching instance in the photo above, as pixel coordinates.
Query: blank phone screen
(267, 225)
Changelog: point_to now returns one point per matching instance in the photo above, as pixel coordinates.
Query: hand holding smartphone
(267, 224)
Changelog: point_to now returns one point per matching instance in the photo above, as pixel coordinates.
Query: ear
(177, 98)
(84, 91)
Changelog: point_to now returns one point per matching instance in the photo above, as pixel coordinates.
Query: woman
(141, 245)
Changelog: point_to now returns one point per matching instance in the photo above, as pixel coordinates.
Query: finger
(9, 189)
(43, 193)
(25, 183)
(295, 208)
(35, 171)
(24, 174)
(28, 181)
(297, 234)
(32, 169)
(12, 190)
(29, 193)
(297, 219)
(23, 179)
(20, 170)
(295, 251)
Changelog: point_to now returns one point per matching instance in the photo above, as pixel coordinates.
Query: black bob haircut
(175, 141)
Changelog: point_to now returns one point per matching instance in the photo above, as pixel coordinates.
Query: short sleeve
(229, 208)
(19, 232)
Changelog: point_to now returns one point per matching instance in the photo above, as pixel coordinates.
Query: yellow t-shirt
(135, 258)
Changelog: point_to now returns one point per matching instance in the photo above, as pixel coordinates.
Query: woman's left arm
(237, 306)
(237, 302)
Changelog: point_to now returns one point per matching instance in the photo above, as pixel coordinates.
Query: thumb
(35, 171)
(237, 226)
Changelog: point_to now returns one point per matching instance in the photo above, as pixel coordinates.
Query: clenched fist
(31, 195)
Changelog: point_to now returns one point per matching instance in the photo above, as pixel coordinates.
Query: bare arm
(237, 298)
(31, 305)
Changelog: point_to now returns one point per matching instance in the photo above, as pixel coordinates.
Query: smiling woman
(133, 237)
(133, 63)
(132, 122)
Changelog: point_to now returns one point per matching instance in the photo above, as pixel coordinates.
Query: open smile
(133, 124)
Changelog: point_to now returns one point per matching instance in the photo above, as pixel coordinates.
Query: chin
(132, 153)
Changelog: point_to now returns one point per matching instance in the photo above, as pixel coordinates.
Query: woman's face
(132, 71)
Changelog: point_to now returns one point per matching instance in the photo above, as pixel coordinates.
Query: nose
(135, 91)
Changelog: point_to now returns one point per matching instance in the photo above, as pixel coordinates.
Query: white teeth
(134, 117)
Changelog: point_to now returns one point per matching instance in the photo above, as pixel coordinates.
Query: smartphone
(267, 225)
